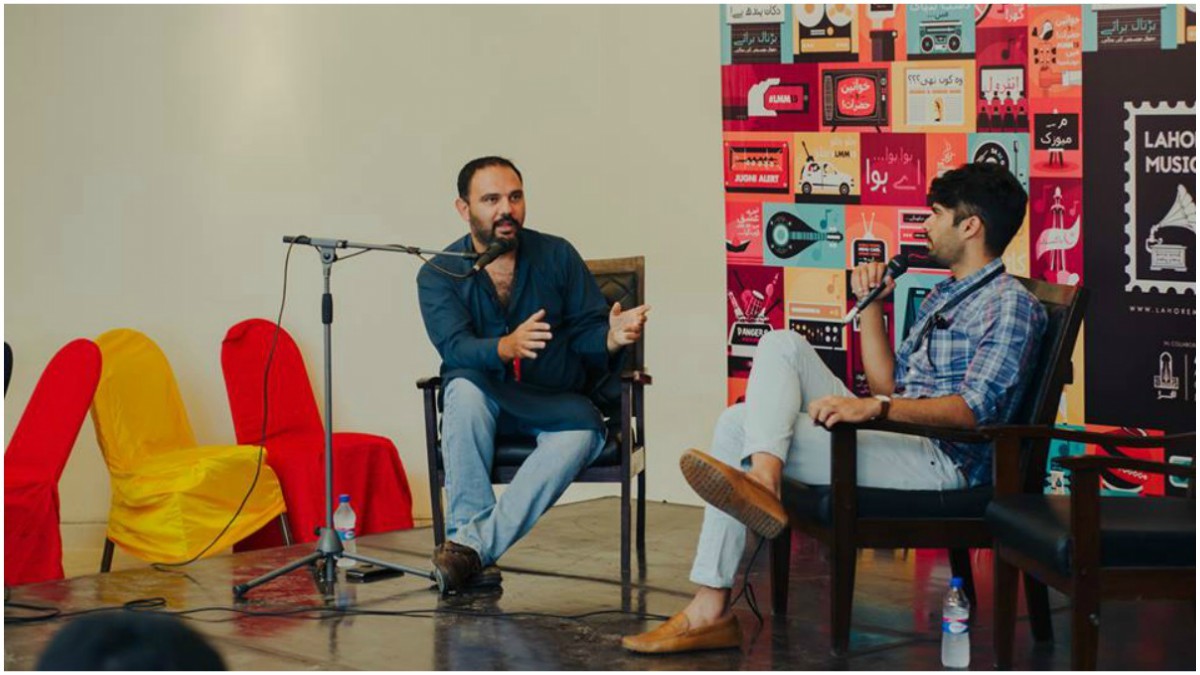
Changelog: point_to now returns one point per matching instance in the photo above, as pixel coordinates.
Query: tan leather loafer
(676, 635)
(734, 493)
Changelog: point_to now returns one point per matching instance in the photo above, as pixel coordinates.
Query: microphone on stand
(895, 267)
(496, 249)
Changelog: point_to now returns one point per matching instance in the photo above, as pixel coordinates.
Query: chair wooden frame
(632, 428)
(849, 532)
(1089, 581)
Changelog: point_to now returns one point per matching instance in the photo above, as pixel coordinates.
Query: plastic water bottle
(956, 636)
(344, 522)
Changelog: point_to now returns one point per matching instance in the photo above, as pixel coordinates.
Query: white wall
(155, 155)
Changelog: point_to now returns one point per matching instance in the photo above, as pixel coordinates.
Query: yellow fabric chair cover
(170, 497)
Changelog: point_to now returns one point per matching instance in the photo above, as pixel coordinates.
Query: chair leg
(641, 513)
(781, 563)
(107, 556)
(435, 507)
(626, 514)
(842, 587)
(1037, 601)
(1085, 626)
(285, 527)
(960, 566)
(1004, 616)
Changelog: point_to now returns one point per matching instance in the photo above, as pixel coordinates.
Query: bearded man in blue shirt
(964, 364)
(526, 345)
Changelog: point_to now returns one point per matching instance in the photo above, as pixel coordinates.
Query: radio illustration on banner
(819, 323)
(757, 166)
(788, 235)
(940, 37)
(855, 97)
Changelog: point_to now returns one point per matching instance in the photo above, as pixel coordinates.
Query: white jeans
(787, 375)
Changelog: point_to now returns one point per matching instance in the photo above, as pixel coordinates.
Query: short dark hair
(128, 640)
(470, 168)
(986, 190)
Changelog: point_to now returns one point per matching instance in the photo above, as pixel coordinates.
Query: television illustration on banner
(826, 32)
(855, 97)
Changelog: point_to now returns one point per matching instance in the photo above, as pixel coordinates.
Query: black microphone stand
(329, 546)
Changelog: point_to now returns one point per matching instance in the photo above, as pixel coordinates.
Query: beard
(485, 233)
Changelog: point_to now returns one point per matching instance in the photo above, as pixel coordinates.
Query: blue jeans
(475, 517)
(787, 375)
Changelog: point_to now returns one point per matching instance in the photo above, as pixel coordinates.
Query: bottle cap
(344, 499)
(955, 582)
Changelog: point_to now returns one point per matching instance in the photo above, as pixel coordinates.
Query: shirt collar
(952, 285)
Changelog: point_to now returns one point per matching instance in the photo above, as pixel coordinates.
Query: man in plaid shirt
(964, 364)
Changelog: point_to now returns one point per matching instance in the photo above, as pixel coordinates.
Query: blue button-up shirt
(982, 349)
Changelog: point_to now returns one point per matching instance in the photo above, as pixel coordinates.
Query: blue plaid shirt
(982, 349)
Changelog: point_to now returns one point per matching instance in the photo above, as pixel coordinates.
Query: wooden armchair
(1090, 547)
(846, 517)
(623, 456)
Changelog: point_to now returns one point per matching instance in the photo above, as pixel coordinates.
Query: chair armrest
(1041, 431)
(637, 377)
(429, 382)
(1093, 463)
(947, 433)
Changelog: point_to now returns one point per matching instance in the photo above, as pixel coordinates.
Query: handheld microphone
(497, 248)
(895, 267)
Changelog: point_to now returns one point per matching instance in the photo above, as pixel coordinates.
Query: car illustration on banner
(824, 178)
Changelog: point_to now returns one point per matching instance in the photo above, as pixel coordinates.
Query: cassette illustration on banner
(940, 31)
(758, 165)
(1056, 222)
(856, 375)
(816, 303)
(1055, 51)
(826, 32)
(804, 235)
(942, 153)
(870, 234)
(1057, 138)
(881, 31)
(934, 97)
(1010, 151)
(769, 97)
(827, 168)
(743, 232)
(1160, 215)
(756, 34)
(894, 169)
(856, 97)
(1002, 104)
(756, 299)
(1128, 482)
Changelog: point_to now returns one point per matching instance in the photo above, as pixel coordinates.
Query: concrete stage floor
(569, 565)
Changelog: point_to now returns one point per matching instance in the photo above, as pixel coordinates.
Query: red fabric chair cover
(35, 459)
(366, 467)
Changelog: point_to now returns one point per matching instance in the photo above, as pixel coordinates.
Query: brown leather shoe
(676, 635)
(455, 566)
(734, 493)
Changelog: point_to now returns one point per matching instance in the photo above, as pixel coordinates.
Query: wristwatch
(887, 405)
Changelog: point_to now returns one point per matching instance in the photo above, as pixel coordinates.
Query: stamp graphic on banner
(758, 164)
(1160, 215)
(743, 232)
(816, 302)
(856, 96)
(827, 168)
(826, 32)
(881, 29)
(941, 31)
(1056, 51)
(934, 97)
(894, 169)
(1010, 151)
(756, 298)
(1056, 222)
(756, 33)
(769, 97)
(804, 235)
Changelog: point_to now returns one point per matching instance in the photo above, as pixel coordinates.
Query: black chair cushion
(815, 503)
(1134, 532)
(514, 450)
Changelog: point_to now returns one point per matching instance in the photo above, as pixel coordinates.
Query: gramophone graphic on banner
(1165, 255)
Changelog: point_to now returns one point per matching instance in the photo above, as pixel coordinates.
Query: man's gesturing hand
(527, 340)
(625, 327)
(829, 410)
